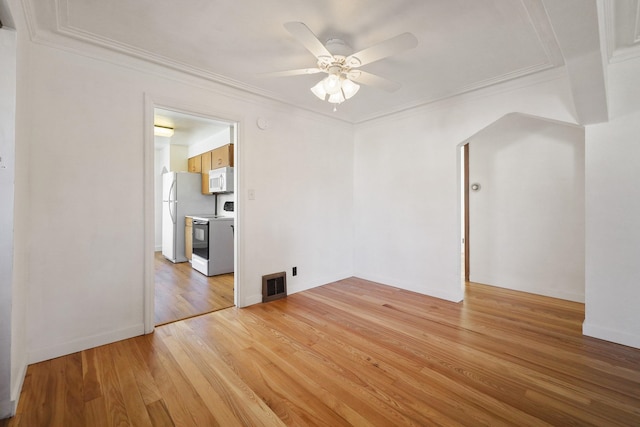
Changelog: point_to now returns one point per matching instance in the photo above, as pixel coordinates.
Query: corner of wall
(611, 335)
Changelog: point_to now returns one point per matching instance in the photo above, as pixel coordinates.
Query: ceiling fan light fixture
(349, 88)
(335, 59)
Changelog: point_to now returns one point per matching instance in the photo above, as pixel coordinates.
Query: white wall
(527, 219)
(612, 213)
(86, 253)
(178, 158)
(407, 181)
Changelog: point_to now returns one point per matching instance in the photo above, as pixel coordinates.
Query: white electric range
(212, 244)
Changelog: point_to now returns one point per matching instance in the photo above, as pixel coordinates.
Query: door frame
(150, 103)
(466, 211)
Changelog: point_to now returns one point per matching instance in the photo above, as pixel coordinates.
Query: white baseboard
(453, 294)
(295, 284)
(537, 290)
(40, 354)
(607, 334)
(251, 300)
(16, 388)
(7, 409)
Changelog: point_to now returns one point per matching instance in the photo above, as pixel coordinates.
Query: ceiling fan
(343, 69)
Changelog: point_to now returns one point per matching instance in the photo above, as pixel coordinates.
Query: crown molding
(507, 82)
(636, 32)
(614, 53)
(65, 28)
(450, 100)
(539, 19)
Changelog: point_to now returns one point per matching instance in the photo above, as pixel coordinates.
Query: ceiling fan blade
(298, 72)
(386, 48)
(369, 79)
(308, 39)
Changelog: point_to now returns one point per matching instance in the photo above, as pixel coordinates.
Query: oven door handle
(196, 222)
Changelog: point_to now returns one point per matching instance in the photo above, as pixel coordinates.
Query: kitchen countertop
(208, 216)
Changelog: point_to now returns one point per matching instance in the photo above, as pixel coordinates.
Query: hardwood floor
(182, 292)
(349, 353)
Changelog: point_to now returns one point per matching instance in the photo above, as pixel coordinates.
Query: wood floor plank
(92, 384)
(159, 414)
(139, 364)
(117, 413)
(95, 413)
(351, 352)
(136, 408)
(74, 401)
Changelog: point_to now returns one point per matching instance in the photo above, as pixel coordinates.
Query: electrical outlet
(294, 271)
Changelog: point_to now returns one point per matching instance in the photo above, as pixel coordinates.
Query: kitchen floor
(182, 292)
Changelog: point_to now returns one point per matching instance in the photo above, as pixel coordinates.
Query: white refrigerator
(181, 195)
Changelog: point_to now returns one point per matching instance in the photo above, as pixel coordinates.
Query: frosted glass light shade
(336, 98)
(349, 88)
(318, 90)
(332, 84)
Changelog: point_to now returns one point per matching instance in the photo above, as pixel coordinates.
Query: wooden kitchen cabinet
(206, 162)
(206, 167)
(222, 156)
(188, 237)
(194, 164)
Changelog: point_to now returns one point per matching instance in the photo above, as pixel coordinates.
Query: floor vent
(274, 286)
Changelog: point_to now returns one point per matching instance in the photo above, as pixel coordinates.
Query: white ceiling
(462, 44)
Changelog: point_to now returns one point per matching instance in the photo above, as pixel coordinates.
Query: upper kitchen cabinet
(206, 167)
(222, 156)
(195, 164)
(206, 162)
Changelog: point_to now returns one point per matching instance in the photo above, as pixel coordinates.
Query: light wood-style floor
(349, 353)
(182, 292)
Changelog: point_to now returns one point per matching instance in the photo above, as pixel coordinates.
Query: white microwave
(221, 180)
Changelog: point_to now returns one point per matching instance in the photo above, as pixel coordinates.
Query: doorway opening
(522, 206)
(192, 145)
